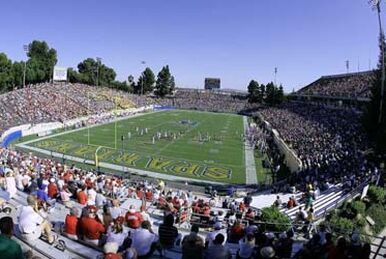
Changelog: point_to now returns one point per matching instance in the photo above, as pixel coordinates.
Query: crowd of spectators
(330, 143)
(96, 217)
(351, 85)
(60, 102)
(207, 100)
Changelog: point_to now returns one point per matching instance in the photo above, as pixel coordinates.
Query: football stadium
(201, 129)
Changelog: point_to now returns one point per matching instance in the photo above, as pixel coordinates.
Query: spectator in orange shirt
(71, 224)
(91, 227)
(242, 206)
(236, 233)
(81, 196)
(133, 218)
(52, 189)
(149, 195)
(290, 203)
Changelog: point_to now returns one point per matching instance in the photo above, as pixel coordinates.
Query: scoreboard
(212, 83)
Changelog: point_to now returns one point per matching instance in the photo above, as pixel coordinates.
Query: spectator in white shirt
(144, 240)
(116, 211)
(116, 232)
(100, 200)
(65, 195)
(212, 235)
(31, 224)
(91, 196)
(246, 246)
(19, 182)
(11, 184)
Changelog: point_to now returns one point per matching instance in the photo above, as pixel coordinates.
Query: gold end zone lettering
(217, 172)
(127, 159)
(159, 164)
(185, 168)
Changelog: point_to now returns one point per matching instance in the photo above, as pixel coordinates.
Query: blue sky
(234, 40)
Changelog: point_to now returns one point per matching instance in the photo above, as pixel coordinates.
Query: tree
(254, 93)
(165, 82)
(93, 72)
(172, 85)
(145, 82)
(376, 129)
(262, 92)
(120, 85)
(41, 62)
(17, 73)
(130, 83)
(270, 93)
(6, 80)
(73, 76)
(88, 69)
(274, 95)
(280, 95)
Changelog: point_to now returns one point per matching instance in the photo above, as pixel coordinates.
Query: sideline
(250, 167)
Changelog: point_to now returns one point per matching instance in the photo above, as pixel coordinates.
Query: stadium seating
(352, 85)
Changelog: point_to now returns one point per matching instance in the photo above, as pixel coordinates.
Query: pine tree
(376, 128)
(145, 82)
(253, 92)
(165, 82)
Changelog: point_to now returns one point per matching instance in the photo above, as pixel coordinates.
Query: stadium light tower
(25, 48)
(99, 60)
(376, 5)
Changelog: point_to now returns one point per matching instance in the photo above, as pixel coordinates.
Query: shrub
(360, 223)
(378, 214)
(340, 224)
(273, 215)
(376, 194)
(351, 210)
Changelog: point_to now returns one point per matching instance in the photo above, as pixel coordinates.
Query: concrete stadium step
(298, 197)
(327, 202)
(317, 202)
(288, 211)
(332, 205)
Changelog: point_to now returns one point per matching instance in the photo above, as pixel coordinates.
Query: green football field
(188, 144)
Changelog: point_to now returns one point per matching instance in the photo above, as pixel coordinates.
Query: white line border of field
(250, 166)
(120, 168)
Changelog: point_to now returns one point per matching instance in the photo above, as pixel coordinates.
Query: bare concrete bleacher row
(324, 202)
